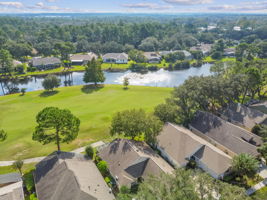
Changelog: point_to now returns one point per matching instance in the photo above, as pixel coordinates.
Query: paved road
(38, 159)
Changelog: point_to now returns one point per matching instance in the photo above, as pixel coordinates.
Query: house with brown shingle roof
(130, 161)
(243, 116)
(228, 137)
(70, 176)
(179, 146)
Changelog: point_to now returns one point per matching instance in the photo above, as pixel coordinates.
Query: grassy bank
(9, 169)
(95, 109)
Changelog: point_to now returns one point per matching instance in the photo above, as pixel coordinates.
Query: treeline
(52, 36)
(232, 82)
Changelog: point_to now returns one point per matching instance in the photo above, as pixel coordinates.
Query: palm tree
(18, 165)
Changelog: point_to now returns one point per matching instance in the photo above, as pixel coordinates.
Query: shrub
(20, 69)
(33, 197)
(89, 151)
(125, 190)
(107, 180)
(256, 129)
(29, 182)
(103, 167)
(140, 67)
(23, 91)
(31, 69)
(244, 164)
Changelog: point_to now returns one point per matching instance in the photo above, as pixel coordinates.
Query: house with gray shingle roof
(187, 54)
(204, 48)
(261, 106)
(152, 57)
(70, 176)
(11, 187)
(82, 59)
(45, 63)
(118, 58)
(243, 116)
(180, 146)
(229, 52)
(230, 138)
(129, 160)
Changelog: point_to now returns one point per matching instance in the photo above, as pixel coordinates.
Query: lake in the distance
(160, 78)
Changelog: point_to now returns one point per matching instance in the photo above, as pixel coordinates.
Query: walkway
(256, 187)
(38, 159)
(262, 172)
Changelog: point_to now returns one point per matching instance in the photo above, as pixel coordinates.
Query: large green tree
(173, 57)
(6, 61)
(93, 73)
(136, 123)
(166, 112)
(64, 49)
(137, 56)
(187, 185)
(129, 123)
(50, 82)
(56, 125)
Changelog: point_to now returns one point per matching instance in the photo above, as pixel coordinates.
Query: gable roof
(128, 160)
(247, 117)
(152, 55)
(10, 178)
(45, 61)
(181, 144)
(236, 139)
(186, 53)
(116, 56)
(83, 57)
(69, 176)
(262, 107)
(13, 191)
(205, 48)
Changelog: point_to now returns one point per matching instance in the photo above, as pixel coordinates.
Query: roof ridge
(62, 177)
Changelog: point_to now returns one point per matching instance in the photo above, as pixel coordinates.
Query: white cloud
(147, 6)
(244, 7)
(12, 4)
(188, 2)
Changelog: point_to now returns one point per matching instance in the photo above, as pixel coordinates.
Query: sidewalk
(256, 187)
(38, 159)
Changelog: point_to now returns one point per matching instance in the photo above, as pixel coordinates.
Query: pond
(160, 78)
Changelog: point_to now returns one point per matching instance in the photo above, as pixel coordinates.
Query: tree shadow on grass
(48, 93)
(88, 89)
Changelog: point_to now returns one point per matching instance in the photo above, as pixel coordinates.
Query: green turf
(94, 108)
(260, 194)
(9, 169)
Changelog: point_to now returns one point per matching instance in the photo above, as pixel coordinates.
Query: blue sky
(134, 6)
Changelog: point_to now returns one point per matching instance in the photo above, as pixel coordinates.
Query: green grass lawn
(9, 169)
(94, 108)
(260, 194)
